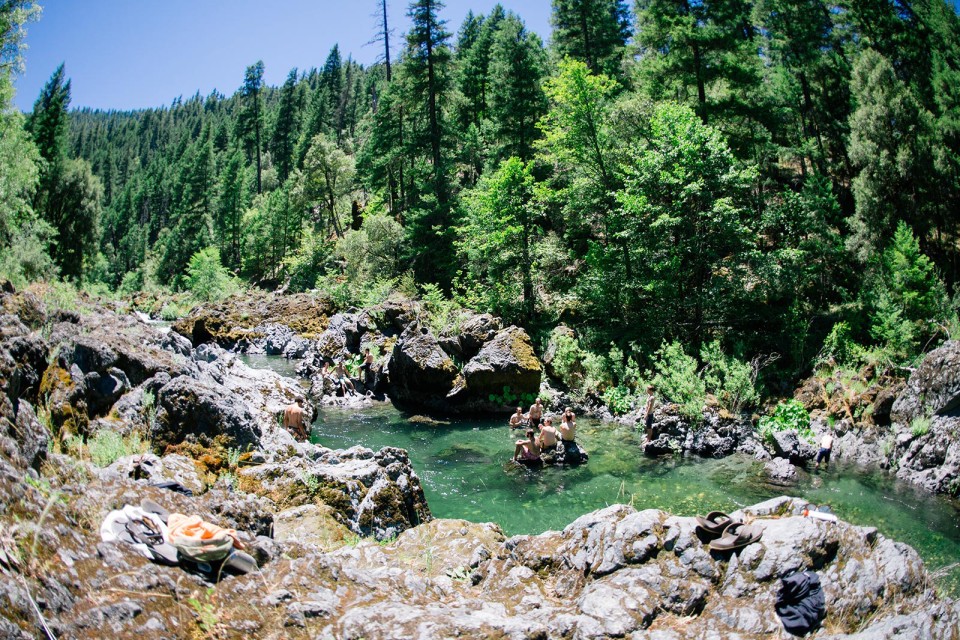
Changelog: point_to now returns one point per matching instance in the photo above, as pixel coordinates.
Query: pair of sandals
(727, 534)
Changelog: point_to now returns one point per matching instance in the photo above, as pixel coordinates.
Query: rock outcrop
(926, 423)
(507, 361)
(421, 372)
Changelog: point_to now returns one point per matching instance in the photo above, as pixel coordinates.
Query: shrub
(729, 379)
(207, 279)
(920, 426)
(676, 380)
(788, 415)
(568, 360)
(106, 447)
(618, 399)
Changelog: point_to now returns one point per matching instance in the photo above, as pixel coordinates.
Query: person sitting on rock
(527, 450)
(648, 413)
(548, 435)
(568, 437)
(518, 420)
(535, 413)
(340, 377)
(293, 419)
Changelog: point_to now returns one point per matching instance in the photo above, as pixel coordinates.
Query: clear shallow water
(466, 472)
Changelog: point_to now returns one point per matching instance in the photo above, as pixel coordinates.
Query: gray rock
(506, 361)
(202, 412)
(933, 388)
(781, 471)
(420, 371)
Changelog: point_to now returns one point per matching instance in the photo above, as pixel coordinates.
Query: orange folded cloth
(195, 528)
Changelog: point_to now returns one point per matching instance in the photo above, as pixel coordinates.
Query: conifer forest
(732, 183)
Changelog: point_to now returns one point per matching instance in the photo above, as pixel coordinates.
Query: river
(466, 472)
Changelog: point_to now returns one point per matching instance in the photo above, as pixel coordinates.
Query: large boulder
(371, 493)
(506, 361)
(934, 388)
(420, 370)
(204, 413)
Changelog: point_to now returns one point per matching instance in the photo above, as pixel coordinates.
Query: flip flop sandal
(143, 531)
(240, 562)
(737, 536)
(715, 523)
(150, 506)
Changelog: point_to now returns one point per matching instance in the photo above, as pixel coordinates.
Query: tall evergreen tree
(593, 31)
(891, 146)
(517, 65)
(427, 88)
(69, 195)
(286, 132)
(251, 118)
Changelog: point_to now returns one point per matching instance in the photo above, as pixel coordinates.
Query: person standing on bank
(365, 367)
(648, 412)
(826, 447)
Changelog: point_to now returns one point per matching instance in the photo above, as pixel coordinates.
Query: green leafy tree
(496, 240)
(685, 197)
(592, 31)
(327, 180)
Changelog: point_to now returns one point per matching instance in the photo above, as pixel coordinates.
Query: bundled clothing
(800, 603)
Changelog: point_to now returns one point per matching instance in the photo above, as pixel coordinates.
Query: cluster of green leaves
(510, 398)
(786, 416)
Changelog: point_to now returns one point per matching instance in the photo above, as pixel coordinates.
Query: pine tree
(427, 86)
(250, 123)
(517, 101)
(69, 195)
(891, 145)
(593, 31)
(286, 132)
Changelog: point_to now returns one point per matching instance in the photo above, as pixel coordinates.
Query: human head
(367, 350)
(530, 433)
(519, 410)
(567, 411)
(538, 400)
(649, 388)
(548, 421)
(300, 401)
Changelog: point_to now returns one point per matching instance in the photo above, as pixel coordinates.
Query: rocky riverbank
(345, 541)
(474, 363)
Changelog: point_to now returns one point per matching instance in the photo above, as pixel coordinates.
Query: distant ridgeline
(720, 179)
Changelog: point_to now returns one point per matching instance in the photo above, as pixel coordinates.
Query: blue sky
(128, 54)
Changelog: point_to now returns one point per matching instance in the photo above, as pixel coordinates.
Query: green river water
(466, 472)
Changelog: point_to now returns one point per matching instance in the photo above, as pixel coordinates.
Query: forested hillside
(716, 180)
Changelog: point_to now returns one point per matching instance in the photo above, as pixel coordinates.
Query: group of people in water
(545, 442)
(341, 378)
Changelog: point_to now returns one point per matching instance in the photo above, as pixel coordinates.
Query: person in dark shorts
(535, 414)
(648, 413)
(826, 447)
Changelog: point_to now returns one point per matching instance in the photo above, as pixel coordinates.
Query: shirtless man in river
(536, 412)
(517, 420)
(548, 435)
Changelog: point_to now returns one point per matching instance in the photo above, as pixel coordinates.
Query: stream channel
(465, 468)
